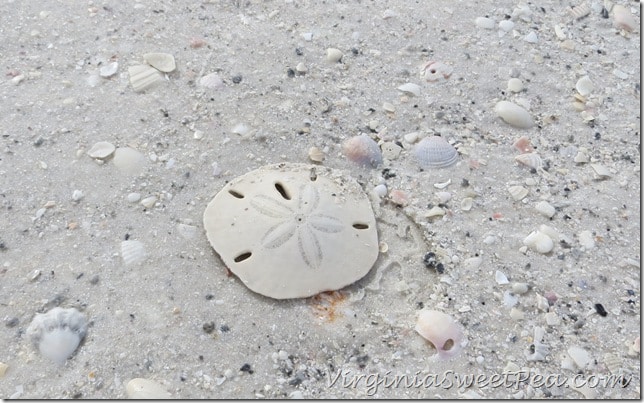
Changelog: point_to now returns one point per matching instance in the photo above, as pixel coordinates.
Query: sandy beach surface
(529, 243)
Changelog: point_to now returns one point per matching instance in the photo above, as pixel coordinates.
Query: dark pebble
(209, 327)
(237, 79)
(224, 328)
(94, 280)
(246, 368)
(12, 322)
(600, 310)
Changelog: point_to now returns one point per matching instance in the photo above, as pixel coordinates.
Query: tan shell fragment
(161, 61)
(518, 192)
(144, 77)
(293, 230)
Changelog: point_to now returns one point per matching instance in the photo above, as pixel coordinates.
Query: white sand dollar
(293, 230)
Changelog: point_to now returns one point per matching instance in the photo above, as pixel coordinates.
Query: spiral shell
(435, 152)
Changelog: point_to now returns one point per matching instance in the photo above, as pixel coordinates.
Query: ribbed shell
(435, 152)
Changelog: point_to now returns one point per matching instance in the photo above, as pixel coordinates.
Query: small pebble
(520, 288)
(333, 55)
(484, 22)
(545, 209)
(149, 202)
(515, 85)
(513, 114)
(531, 37)
(600, 310)
(506, 25)
(133, 197)
(109, 69)
(77, 195)
(552, 319)
(500, 278)
(380, 190)
(586, 240)
(584, 86)
(3, 369)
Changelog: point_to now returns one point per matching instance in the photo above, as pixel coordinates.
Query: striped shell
(132, 252)
(531, 160)
(435, 152)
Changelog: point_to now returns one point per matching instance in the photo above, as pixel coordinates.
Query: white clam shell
(288, 230)
(161, 61)
(435, 152)
(518, 192)
(132, 252)
(442, 331)
(362, 150)
(539, 242)
(515, 85)
(58, 332)
(584, 86)
(141, 388)
(513, 114)
(143, 77)
(531, 160)
(101, 150)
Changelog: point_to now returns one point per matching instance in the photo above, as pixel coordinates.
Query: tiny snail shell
(442, 331)
(362, 150)
(435, 152)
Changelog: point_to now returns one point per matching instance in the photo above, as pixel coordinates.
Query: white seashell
(149, 201)
(390, 150)
(129, 160)
(531, 37)
(443, 197)
(586, 240)
(410, 89)
(132, 252)
(380, 190)
(443, 185)
(133, 197)
(545, 208)
(484, 22)
(144, 77)
(442, 331)
(515, 85)
(3, 369)
(289, 230)
(601, 172)
(101, 150)
(518, 192)
(161, 61)
(466, 204)
(501, 278)
(517, 314)
(109, 69)
(434, 71)
(539, 242)
(552, 319)
(435, 212)
(551, 232)
(58, 332)
(580, 11)
(584, 86)
(506, 25)
(520, 288)
(362, 150)
(582, 156)
(316, 155)
(623, 19)
(211, 80)
(435, 152)
(580, 356)
(531, 160)
(333, 55)
(613, 363)
(513, 114)
(140, 388)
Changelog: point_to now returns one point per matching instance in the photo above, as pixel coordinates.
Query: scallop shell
(434, 71)
(58, 332)
(442, 331)
(531, 160)
(513, 114)
(580, 11)
(539, 242)
(362, 150)
(518, 192)
(288, 230)
(435, 152)
(132, 252)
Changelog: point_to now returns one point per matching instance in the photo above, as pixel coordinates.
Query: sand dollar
(293, 230)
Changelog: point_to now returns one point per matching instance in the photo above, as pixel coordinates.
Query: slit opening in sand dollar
(243, 256)
(360, 225)
(282, 191)
(236, 194)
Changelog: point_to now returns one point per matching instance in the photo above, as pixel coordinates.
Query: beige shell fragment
(293, 230)
(518, 192)
(141, 388)
(143, 77)
(161, 61)
(513, 114)
(101, 150)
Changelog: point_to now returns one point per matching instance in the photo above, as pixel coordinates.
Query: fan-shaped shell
(531, 160)
(132, 252)
(362, 150)
(435, 152)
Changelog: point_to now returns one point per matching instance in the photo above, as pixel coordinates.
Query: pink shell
(435, 152)
(362, 150)
(442, 331)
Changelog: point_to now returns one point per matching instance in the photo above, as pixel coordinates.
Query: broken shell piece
(132, 252)
(434, 71)
(144, 77)
(623, 19)
(101, 150)
(442, 331)
(515, 85)
(161, 61)
(531, 160)
(601, 172)
(333, 55)
(108, 70)
(288, 234)
(58, 332)
(410, 89)
(518, 192)
(580, 356)
(467, 203)
(513, 114)
(586, 240)
(141, 388)
(435, 212)
(539, 242)
(522, 144)
(316, 155)
(129, 160)
(211, 80)
(545, 208)
(362, 150)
